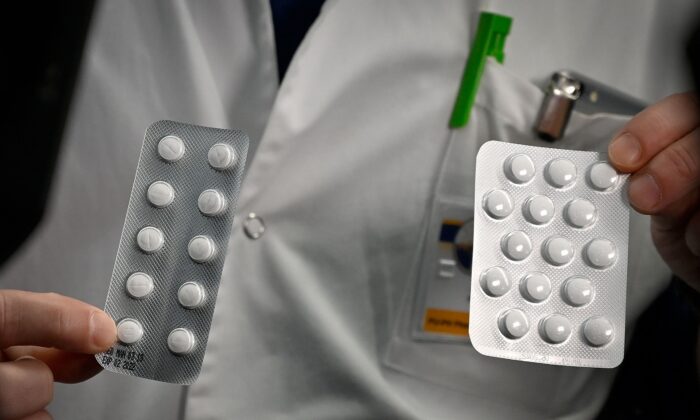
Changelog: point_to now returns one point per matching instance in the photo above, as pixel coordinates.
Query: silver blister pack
(172, 250)
(549, 270)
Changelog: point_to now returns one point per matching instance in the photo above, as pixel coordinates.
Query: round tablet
(201, 248)
(211, 202)
(602, 176)
(519, 168)
(601, 253)
(560, 173)
(580, 213)
(555, 329)
(577, 291)
(557, 250)
(535, 287)
(516, 245)
(539, 209)
(498, 204)
(160, 194)
(190, 295)
(181, 341)
(513, 323)
(150, 239)
(139, 285)
(129, 331)
(495, 281)
(221, 156)
(598, 331)
(171, 148)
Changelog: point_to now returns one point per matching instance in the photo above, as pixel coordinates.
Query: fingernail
(644, 192)
(625, 150)
(103, 332)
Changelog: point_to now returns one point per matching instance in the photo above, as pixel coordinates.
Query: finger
(66, 366)
(39, 415)
(51, 320)
(670, 176)
(26, 386)
(692, 234)
(652, 130)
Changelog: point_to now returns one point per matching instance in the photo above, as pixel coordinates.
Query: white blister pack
(172, 250)
(549, 270)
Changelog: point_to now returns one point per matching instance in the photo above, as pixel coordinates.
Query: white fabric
(341, 178)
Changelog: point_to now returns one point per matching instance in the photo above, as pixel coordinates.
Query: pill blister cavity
(513, 323)
(602, 176)
(498, 204)
(129, 331)
(538, 209)
(201, 249)
(495, 281)
(519, 168)
(535, 287)
(580, 213)
(211, 203)
(160, 194)
(560, 173)
(191, 295)
(150, 239)
(139, 285)
(181, 341)
(171, 148)
(555, 329)
(598, 331)
(558, 250)
(601, 253)
(516, 245)
(221, 156)
(577, 291)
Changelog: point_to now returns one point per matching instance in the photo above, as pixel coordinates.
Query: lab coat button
(253, 226)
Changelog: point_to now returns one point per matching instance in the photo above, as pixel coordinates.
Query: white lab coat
(344, 155)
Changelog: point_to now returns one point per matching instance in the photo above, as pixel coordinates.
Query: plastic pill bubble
(598, 331)
(139, 285)
(190, 295)
(498, 204)
(211, 202)
(555, 329)
(535, 287)
(129, 331)
(495, 281)
(539, 209)
(560, 173)
(513, 323)
(601, 253)
(558, 251)
(516, 245)
(580, 213)
(519, 168)
(150, 239)
(160, 194)
(578, 291)
(181, 341)
(201, 248)
(602, 176)
(221, 156)
(171, 148)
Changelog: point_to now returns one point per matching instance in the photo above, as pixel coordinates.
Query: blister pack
(549, 269)
(172, 250)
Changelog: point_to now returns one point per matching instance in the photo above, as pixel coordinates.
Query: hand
(660, 147)
(46, 337)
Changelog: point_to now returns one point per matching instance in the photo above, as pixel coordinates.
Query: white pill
(171, 148)
(535, 287)
(602, 176)
(129, 331)
(221, 156)
(498, 204)
(601, 253)
(580, 213)
(190, 295)
(558, 251)
(201, 248)
(598, 331)
(519, 168)
(181, 341)
(211, 202)
(495, 281)
(139, 285)
(516, 245)
(160, 194)
(539, 209)
(560, 173)
(513, 323)
(578, 291)
(150, 239)
(555, 329)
